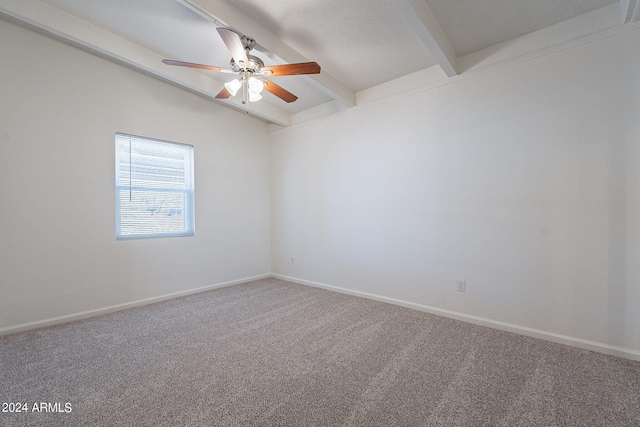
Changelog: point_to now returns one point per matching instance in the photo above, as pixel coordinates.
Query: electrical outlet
(462, 285)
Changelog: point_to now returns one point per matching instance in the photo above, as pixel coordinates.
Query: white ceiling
(363, 42)
(475, 25)
(360, 44)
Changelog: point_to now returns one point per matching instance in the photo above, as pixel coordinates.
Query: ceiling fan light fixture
(233, 86)
(255, 86)
(253, 97)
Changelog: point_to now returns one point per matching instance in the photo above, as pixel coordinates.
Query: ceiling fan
(248, 67)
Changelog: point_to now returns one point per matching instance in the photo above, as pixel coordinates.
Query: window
(154, 188)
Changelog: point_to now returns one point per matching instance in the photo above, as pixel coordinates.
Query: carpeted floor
(272, 353)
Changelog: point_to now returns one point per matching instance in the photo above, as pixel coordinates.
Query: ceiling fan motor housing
(255, 64)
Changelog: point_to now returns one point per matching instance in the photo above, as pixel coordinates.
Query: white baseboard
(522, 330)
(111, 309)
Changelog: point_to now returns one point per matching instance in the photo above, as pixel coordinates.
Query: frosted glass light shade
(255, 85)
(253, 97)
(233, 86)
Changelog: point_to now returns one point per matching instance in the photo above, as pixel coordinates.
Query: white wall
(523, 181)
(59, 110)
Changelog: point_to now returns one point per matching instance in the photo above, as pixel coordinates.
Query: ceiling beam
(80, 33)
(418, 14)
(224, 13)
(630, 11)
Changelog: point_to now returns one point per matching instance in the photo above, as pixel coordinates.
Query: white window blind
(154, 188)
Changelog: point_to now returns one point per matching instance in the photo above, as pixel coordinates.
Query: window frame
(189, 194)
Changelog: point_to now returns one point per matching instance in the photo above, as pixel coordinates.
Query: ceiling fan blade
(223, 94)
(232, 40)
(201, 66)
(291, 69)
(279, 91)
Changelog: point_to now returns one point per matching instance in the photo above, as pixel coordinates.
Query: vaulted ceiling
(366, 48)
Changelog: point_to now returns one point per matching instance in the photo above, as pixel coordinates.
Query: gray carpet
(272, 353)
